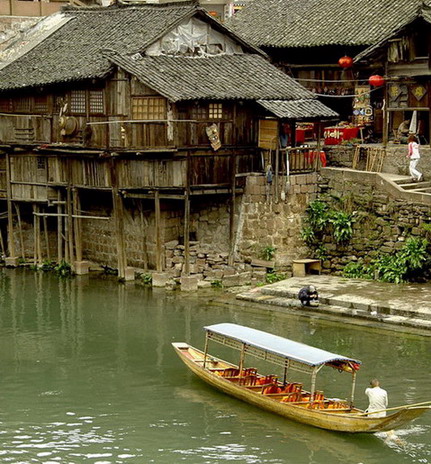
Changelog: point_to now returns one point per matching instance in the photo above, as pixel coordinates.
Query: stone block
(81, 267)
(129, 274)
(204, 284)
(231, 281)
(189, 283)
(11, 261)
(160, 279)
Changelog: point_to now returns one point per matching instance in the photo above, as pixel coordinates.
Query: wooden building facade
(131, 112)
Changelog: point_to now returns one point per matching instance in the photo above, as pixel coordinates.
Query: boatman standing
(378, 399)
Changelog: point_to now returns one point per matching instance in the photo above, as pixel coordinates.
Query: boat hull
(335, 421)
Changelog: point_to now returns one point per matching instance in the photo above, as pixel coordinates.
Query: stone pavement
(404, 305)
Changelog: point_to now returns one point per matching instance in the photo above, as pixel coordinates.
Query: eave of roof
(225, 77)
(298, 109)
(280, 346)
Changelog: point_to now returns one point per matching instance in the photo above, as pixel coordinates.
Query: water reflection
(87, 374)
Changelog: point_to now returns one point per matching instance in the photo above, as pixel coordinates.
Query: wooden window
(5, 105)
(95, 102)
(149, 108)
(78, 101)
(41, 104)
(200, 112)
(22, 105)
(215, 111)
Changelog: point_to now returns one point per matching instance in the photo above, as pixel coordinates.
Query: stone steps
(334, 307)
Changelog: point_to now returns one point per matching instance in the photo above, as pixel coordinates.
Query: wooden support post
(118, 209)
(10, 228)
(159, 266)
(69, 219)
(241, 358)
(77, 224)
(144, 235)
(37, 245)
(186, 269)
(21, 238)
(206, 349)
(232, 210)
(45, 230)
(59, 229)
(3, 249)
(313, 383)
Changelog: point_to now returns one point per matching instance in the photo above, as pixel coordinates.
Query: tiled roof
(298, 109)
(74, 51)
(312, 23)
(247, 77)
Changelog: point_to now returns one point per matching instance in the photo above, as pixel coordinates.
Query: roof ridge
(132, 5)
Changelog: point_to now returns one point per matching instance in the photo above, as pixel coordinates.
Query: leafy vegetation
(272, 277)
(63, 269)
(404, 266)
(268, 253)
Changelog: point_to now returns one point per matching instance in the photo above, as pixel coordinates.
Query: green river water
(88, 375)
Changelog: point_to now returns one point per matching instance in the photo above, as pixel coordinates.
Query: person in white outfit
(414, 156)
(378, 399)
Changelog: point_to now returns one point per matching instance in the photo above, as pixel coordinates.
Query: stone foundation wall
(384, 220)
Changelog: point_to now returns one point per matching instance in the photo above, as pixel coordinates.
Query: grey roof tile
(313, 23)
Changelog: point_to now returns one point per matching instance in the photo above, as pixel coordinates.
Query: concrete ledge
(11, 261)
(81, 267)
(189, 283)
(160, 279)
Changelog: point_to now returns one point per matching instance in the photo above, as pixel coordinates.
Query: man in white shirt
(378, 399)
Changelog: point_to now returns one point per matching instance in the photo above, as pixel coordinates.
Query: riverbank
(407, 306)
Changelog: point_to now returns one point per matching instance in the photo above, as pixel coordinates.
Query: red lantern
(376, 80)
(345, 62)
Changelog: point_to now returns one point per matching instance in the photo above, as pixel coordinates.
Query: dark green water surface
(88, 375)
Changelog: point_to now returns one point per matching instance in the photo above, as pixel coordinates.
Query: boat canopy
(281, 347)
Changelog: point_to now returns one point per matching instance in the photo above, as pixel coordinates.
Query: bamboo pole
(118, 210)
(405, 406)
(21, 238)
(69, 212)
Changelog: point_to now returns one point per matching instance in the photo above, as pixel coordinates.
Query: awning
(298, 109)
(279, 346)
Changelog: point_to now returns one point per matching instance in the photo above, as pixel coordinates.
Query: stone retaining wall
(384, 220)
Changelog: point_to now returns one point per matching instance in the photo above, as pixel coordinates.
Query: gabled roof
(74, 51)
(280, 346)
(423, 14)
(245, 77)
(314, 23)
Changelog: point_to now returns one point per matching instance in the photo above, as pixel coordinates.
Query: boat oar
(405, 406)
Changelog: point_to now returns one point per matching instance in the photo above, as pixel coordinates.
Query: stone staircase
(406, 183)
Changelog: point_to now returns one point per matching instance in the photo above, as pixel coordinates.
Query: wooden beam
(59, 227)
(77, 224)
(69, 212)
(186, 269)
(21, 238)
(232, 210)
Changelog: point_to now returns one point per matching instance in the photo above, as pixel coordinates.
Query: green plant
(217, 284)
(147, 278)
(48, 266)
(268, 253)
(272, 277)
(358, 270)
(317, 215)
(21, 261)
(63, 269)
(309, 237)
(109, 270)
(342, 224)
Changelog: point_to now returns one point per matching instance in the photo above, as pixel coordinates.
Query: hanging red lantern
(345, 62)
(376, 80)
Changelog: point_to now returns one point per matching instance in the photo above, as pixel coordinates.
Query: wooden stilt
(69, 213)
(118, 210)
(186, 269)
(35, 220)
(59, 229)
(159, 266)
(3, 250)
(45, 231)
(232, 211)
(77, 224)
(10, 228)
(144, 236)
(21, 238)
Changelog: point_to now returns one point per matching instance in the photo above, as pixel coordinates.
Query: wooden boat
(288, 399)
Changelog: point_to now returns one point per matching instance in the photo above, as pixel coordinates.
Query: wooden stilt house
(116, 122)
